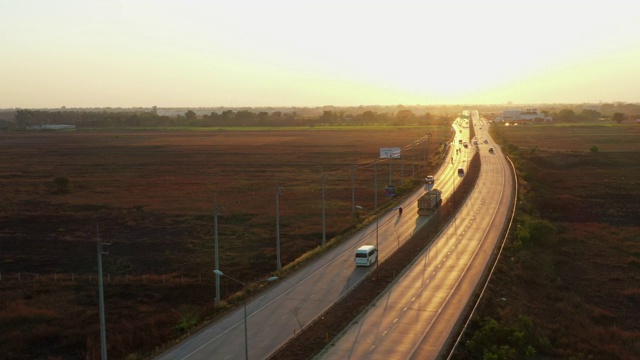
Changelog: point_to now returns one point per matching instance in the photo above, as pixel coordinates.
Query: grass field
(152, 194)
(576, 137)
(568, 286)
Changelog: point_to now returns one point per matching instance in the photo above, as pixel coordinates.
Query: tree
(369, 117)
(566, 115)
(404, 117)
(588, 115)
(62, 185)
(618, 117)
(190, 115)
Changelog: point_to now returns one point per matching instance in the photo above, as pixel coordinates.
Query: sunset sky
(189, 53)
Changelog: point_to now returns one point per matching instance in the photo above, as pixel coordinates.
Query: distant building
(523, 114)
(50, 127)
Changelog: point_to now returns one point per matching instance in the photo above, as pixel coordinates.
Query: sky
(281, 53)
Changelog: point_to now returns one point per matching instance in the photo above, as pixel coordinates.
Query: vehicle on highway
(491, 150)
(366, 255)
(429, 202)
(390, 190)
(461, 171)
(430, 179)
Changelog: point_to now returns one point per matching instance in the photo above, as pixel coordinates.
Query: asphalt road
(277, 314)
(413, 319)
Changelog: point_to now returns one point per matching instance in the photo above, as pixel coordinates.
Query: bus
(366, 255)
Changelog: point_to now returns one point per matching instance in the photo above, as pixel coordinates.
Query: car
(461, 171)
(491, 150)
(486, 141)
(430, 179)
(390, 190)
(465, 144)
(460, 141)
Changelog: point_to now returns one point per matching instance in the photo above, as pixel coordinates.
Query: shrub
(62, 185)
(533, 230)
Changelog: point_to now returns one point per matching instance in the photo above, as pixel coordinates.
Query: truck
(429, 202)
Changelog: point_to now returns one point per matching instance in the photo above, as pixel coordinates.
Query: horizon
(132, 54)
(470, 106)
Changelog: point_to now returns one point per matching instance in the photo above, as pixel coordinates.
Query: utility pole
(426, 146)
(375, 184)
(413, 165)
(216, 211)
(353, 191)
(377, 243)
(401, 169)
(278, 263)
(103, 330)
(324, 228)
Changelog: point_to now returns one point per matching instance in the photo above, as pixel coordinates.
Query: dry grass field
(152, 194)
(568, 286)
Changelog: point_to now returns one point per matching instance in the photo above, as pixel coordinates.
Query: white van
(366, 255)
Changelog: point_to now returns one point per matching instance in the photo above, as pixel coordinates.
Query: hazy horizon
(128, 54)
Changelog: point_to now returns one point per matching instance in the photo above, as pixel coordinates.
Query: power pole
(426, 145)
(377, 243)
(353, 191)
(413, 165)
(375, 184)
(401, 169)
(278, 263)
(103, 330)
(324, 228)
(216, 211)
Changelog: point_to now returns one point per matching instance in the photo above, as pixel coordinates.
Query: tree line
(227, 118)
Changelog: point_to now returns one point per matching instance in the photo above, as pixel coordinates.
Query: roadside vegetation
(568, 284)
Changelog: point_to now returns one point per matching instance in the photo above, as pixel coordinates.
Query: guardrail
(497, 258)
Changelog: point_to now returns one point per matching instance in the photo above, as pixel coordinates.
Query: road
(413, 319)
(277, 314)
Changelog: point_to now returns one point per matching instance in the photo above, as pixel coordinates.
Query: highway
(414, 317)
(277, 314)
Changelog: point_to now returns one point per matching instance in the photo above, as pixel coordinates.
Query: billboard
(390, 153)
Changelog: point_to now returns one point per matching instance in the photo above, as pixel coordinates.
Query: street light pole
(353, 191)
(244, 289)
(103, 330)
(324, 227)
(375, 185)
(278, 263)
(377, 244)
(216, 209)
